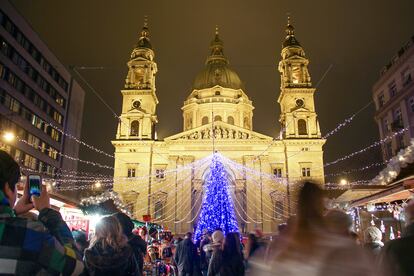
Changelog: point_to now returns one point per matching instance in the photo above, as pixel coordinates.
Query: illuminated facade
(151, 174)
(393, 94)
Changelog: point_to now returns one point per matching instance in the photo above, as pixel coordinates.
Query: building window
(131, 172)
(302, 130)
(406, 77)
(217, 118)
(30, 161)
(55, 135)
(392, 88)
(306, 172)
(278, 209)
(204, 121)
(134, 128)
(160, 174)
(217, 93)
(230, 120)
(398, 120)
(381, 100)
(277, 172)
(57, 117)
(386, 125)
(411, 102)
(246, 122)
(158, 209)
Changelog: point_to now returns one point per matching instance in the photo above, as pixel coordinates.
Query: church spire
(290, 40)
(216, 50)
(144, 40)
(145, 31)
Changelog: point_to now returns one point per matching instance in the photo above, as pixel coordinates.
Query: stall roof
(399, 190)
(355, 193)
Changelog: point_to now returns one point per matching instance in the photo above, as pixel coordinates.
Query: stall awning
(399, 190)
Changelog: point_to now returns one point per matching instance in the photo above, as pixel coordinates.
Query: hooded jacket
(108, 261)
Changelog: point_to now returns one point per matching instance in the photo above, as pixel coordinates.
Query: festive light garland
(377, 143)
(376, 164)
(80, 141)
(105, 196)
(67, 156)
(341, 125)
(401, 160)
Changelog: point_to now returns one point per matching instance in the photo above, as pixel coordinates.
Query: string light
(67, 156)
(346, 121)
(377, 143)
(394, 166)
(376, 164)
(107, 195)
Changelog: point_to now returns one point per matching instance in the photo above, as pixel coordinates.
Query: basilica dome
(217, 74)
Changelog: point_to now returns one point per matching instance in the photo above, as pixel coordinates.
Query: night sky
(356, 37)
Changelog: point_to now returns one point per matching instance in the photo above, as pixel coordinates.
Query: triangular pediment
(221, 131)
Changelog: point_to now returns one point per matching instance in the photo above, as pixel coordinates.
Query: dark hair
(9, 171)
(231, 245)
(310, 206)
(188, 235)
(126, 223)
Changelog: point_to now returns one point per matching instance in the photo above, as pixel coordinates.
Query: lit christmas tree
(217, 210)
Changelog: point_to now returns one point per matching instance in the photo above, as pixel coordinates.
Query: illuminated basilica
(164, 178)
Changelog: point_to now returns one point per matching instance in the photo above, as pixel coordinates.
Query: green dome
(217, 71)
(217, 74)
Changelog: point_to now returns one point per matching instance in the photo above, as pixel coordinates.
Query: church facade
(164, 178)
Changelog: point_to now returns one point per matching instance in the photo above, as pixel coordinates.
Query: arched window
(302, 127)
(246, 122)
(230, 120)
(204, 121)
(217, 118)
(134, 128)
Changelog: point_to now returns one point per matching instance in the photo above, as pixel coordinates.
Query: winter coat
(186, 258)
(204, 259)
(398, 254)
(139, 247)
(107, 261)
(29, 247)
(225, 265)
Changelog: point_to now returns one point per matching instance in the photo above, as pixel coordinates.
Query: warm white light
(93, 221)
(98, 184)
(343, 181)
(8, 136)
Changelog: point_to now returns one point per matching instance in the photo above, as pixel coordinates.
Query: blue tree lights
(217, 210)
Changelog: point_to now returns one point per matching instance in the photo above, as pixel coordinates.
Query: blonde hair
(108, 233)
(372, 234)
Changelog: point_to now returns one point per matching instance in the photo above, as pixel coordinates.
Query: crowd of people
(314, 242)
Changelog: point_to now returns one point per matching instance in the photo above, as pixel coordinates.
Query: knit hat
(217, 236)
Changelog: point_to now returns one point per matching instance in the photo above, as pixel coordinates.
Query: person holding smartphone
(30, 247)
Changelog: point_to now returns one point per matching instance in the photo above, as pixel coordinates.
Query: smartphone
(35, 182)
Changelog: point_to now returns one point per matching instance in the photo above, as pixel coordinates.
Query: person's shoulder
(26, 223)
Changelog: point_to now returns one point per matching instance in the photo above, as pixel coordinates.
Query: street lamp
(343, 181)
(98, 184)
(8, 136)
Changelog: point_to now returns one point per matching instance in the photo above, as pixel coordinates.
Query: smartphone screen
(34, 185)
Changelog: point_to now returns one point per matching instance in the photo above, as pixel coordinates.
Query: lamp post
(7, 137)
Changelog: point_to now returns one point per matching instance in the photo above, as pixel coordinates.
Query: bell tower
(138, 118)
(298, 117)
